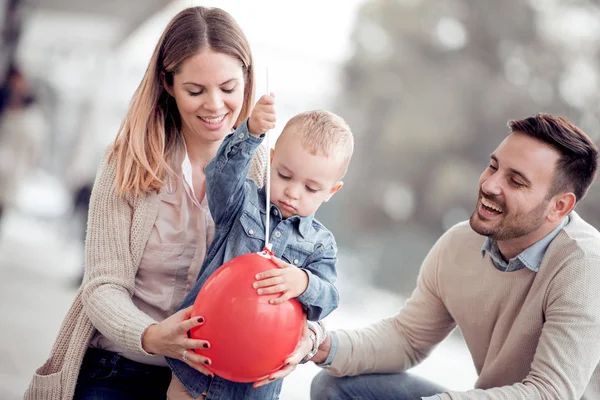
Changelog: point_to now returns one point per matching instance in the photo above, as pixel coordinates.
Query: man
(519, 279)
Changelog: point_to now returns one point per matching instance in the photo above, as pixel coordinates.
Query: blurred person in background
(23, 132)
(519, 279)
(149, 225)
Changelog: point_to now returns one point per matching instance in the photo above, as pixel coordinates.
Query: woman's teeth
(213, 120)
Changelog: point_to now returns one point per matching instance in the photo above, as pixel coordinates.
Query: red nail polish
(200, 319)
(205, 345)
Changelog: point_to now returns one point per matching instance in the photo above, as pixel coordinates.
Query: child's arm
(226, 173)
(312, 285)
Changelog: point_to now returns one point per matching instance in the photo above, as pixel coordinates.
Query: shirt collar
(531, 257)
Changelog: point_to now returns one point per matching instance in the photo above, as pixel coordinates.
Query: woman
(149, 225)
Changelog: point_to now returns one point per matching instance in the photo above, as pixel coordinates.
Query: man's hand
(323, 351)
(263, 115)
(288, 280)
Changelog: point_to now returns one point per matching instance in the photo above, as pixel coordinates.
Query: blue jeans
(106, 375)
(402, 386)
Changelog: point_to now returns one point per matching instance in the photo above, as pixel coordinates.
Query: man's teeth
(492, 206)
(213, 120)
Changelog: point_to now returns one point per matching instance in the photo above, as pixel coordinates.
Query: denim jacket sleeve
(227, 172)
(321, 296)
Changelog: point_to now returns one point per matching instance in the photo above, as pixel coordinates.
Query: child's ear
(334, 190)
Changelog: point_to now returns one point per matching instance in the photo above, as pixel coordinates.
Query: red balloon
(249, 338)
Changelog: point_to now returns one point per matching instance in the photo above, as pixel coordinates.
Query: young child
(309, 159)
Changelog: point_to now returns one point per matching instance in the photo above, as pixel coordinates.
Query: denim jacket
(237, 206)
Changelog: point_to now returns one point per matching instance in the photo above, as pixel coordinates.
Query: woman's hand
(302, 349)
(170, 338)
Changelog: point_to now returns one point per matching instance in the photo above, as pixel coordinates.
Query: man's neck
(511, 248)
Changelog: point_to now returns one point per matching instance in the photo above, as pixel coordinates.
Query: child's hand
(289, 280)
(263, 115)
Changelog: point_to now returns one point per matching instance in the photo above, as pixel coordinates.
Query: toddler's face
(301, 181)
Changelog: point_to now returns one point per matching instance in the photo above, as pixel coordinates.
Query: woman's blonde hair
(150, 133)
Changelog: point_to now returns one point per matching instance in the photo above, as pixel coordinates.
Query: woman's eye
(229, 90)
(193, 94)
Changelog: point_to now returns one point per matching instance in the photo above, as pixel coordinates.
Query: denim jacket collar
(303, 223)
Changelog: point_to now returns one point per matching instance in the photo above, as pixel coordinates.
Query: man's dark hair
(576, 168)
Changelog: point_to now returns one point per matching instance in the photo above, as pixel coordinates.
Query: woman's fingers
(190, 323)
(196, 344)
(198, 362)
(281, 373)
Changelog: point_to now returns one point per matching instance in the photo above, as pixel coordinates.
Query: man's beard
(509, 226)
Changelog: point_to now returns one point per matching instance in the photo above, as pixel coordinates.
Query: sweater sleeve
(400, 342)
(567, 353)
(110, 274)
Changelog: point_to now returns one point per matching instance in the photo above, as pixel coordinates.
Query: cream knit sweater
(118, 229)
(531, 335)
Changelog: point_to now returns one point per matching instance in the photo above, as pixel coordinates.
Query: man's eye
(493, 168)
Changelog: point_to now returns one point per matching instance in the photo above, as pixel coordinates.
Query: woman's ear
(168, 87)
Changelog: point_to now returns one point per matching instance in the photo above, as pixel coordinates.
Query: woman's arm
(110, 274)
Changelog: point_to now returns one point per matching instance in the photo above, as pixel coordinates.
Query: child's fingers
(280, 262)
(268, 274)
(272, 289)
(267, 282)
(267, 99)
(281, 299)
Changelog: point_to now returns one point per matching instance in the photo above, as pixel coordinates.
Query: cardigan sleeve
(110, 271)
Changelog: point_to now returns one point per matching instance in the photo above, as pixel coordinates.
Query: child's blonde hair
(323, 133)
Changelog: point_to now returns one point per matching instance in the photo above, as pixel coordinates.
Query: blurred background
(426, 85)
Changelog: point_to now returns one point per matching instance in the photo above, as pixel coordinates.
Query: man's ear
(334, 190)
(561, 205)
(163, 79)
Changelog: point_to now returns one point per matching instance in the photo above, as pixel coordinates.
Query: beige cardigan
(118, 229)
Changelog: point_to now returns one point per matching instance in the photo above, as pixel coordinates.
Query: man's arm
(567, 352)
(400, 342)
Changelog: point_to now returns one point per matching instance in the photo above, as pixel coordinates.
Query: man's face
(514, 189)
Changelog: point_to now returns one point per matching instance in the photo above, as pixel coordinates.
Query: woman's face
(209, 92)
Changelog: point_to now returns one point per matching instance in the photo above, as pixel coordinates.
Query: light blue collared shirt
(530, 258)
